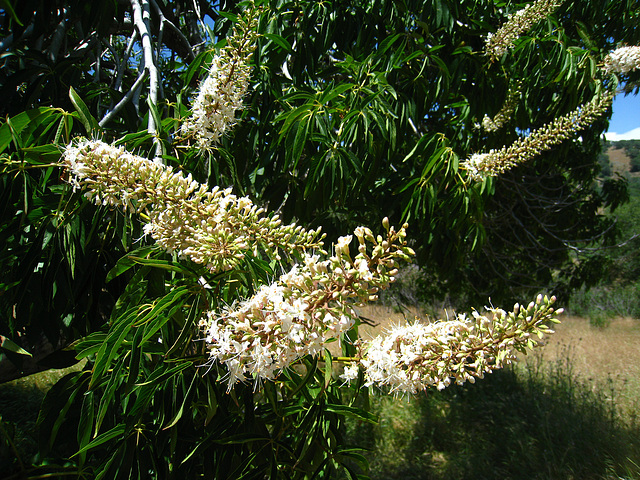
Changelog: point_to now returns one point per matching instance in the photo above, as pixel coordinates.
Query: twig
(196, 8)
(181, 36)
(124, 100)
(123, 64)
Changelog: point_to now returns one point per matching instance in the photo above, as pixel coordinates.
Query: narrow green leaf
(15, 136)
(157, 318)
(27, 119)
(159, 375)
(180, 411)
(311, 367)
(241, 438)
(11, 346)
(187, 331)
(128, 261)
(42, 154)
(329, 95)
(212, 402)
(277, 39)
(163, 264)
(89, 122)
(109, 348)
(6, 5)
(198, 66)
(115, 432)
(351, 412)
(87, 413)
(136, 349)
(328, 367)
(108, 395)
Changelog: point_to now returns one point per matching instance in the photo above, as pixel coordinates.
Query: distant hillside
(620, 161)
(624, 157)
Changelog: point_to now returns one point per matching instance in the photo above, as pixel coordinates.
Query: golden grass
(602, 356)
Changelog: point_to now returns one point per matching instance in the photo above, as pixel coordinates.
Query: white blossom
(517, 23)
(222, 91)
(211, 227)
(303, 310)
(482, 165)
(622, 60)
(418, 356)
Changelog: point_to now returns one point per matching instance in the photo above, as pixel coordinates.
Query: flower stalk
(305, 309)
(418, 356)
(506, 111)
(210, 227)
(222, 91)
(482, 165)
(517, 23)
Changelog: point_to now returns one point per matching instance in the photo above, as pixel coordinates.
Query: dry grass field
(602, 356)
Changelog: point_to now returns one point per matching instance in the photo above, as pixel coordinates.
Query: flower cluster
(482, 165)
(622, 60)
(498, 43)
(221, 93)
(504, 115)
(419, 356)
(213, 228)
(305, 308)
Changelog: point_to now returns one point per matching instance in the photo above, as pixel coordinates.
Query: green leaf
(85, 425)
(109, 349)
(11, 346)
(56, 404)
(329, 95)
(128, 261)
(241, 438)
(351, 412)
(180, 411)
(311, 367)
(198, 65)
(328, 367)
(162, 264)
(29, 119)
(159, 375)
(89, 122)
(187, 331)
(277, 39)
(42, 154)
(6, 4)
(115, 432)
(114, 380)
(172, 301)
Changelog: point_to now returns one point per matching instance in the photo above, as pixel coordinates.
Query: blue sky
(625, 122)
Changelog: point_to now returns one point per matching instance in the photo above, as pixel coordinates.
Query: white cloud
(630, 135)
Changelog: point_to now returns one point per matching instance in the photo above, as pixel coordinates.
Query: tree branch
(185, 46)
(141, 21)
(124, 100)
(123, 64)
